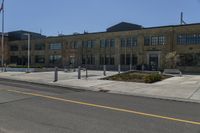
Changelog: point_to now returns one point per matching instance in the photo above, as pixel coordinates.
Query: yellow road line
(107, 107)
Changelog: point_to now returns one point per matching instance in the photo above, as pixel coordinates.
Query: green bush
(154, 77)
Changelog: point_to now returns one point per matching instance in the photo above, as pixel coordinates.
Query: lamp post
(131, 56)
(29, 37)
(2, 36)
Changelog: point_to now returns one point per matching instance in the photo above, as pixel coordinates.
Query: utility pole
(182, 22)
(2, 36)
(131, 55)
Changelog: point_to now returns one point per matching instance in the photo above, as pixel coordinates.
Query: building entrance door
(72, 61)
(153, 62)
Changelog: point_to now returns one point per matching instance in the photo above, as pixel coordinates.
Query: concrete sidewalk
(186, 88)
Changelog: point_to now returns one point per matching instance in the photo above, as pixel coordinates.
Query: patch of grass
(136, 76)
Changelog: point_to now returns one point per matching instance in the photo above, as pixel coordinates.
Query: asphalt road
(26, 108)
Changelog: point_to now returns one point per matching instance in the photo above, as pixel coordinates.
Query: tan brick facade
(73, 53)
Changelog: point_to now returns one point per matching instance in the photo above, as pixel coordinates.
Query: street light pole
(131, 56)
(2, 37)
(29, 38)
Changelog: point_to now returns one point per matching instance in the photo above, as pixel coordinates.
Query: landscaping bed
(138, 76)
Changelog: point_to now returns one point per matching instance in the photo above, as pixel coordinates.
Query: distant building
(122, 44)
(124, 26)
(19, 35)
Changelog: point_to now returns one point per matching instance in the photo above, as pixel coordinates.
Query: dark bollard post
(130, 67)
(5, 68)
(104, 70)
(119, 69)
(86, 73)
(79, 72)
(56, 74)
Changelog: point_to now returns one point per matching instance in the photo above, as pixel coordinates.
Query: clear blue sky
(69, 16)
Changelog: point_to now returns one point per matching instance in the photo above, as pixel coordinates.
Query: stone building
(124, 44)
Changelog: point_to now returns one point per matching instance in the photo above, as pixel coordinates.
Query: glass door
(153, 62)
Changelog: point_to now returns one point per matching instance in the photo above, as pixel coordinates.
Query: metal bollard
(130, 67)
(56, 75)
(86, 73)
(79, 72)
(104, 70)
(5, 68)
(119, 69)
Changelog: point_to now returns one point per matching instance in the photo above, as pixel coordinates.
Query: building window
(74, 45)
(188, 39)
(55, 58)
(189, 59)
(123, 43)
(181, 39)
(83, 60)
(55, 46)
(134, 60)
(88, 59)
(40, 46)
(92, 59)
(88, 44)
(112, 60)
(84, 44)
(13, 59)
(24, 47)
(112, 43)
(126, 59)
(102, 58)
(122, 59)
(102, 43)
(13, 48)
(161, 40)
(198, 39)
(107, 60)
(154, 40)
(147, 41)
(134, 41)
(108, 43)
(39, 59)
(129, 42)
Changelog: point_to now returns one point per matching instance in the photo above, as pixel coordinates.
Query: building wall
(73, 56)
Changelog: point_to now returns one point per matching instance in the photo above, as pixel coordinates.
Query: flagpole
(2, 38)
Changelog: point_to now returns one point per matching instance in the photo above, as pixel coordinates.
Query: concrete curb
(78, 88)
(156, 97)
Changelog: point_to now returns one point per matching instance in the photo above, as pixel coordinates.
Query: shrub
(151, 78)
(144, 77)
